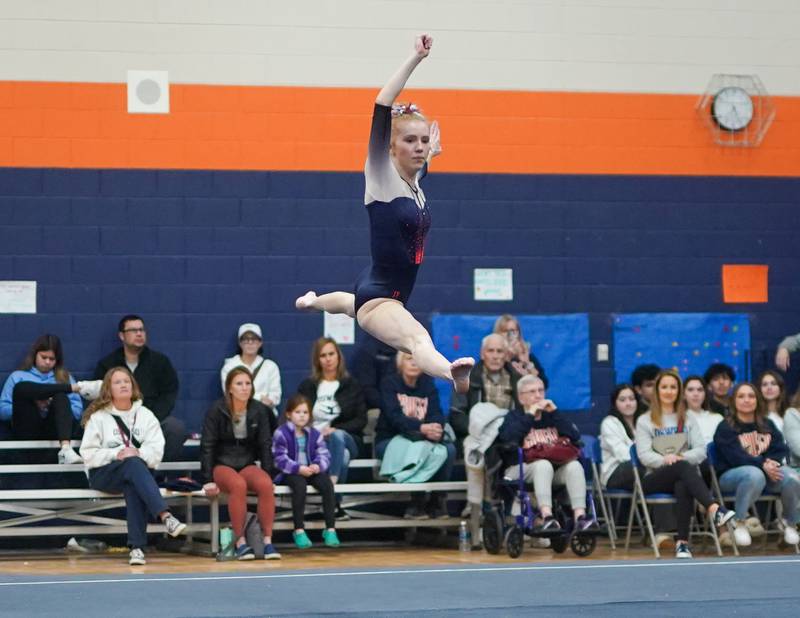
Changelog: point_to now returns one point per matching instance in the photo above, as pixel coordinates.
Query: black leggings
(29, 423)
(322, 483)
(621, 477)
(682, 479)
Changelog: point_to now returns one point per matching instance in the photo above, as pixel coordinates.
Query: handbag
(559, 452)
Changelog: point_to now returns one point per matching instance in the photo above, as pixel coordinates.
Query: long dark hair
(613, 411)
(761, 409)
(782, 399)
(47, 343)
(240, 370)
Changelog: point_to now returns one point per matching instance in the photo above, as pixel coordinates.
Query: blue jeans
(134, 479)
(343, 448)
(442, 474)
(749, 483)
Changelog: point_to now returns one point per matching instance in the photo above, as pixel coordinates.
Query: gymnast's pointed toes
(306, 301)
(460, 369)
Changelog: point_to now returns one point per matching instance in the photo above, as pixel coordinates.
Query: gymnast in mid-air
(401, 143)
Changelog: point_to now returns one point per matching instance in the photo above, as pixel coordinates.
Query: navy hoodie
(517, 425)
(747, 445)
(405, 408)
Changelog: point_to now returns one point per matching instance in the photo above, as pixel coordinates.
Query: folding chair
(608, 495)
(660, 498)
(770, 498)
(591, 446)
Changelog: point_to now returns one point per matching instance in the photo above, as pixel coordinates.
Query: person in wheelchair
(550, 447)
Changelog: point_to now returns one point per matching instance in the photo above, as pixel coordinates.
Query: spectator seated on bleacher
(372, 361)
(302, 459)
(537, 427)
(492, 392)
(616, 438)
(338, 405)
(750, 456)
(40, 399)
(237, 432)
(411, 411)
(773, 390)
(719, 378)
(265, 372)
(519, 354)
(156, 377)
(122, 443)
(670, 446)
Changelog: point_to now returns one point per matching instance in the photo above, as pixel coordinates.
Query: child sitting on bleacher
(303, 459)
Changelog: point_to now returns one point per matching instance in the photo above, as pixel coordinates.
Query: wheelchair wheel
(559, 543)
(515, 542)
(492, 527)
(583, 544)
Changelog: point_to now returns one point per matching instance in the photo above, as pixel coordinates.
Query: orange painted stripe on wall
(48, 124)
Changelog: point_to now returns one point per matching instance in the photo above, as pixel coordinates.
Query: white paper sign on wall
(494, 284)
(340, 327)
(17, 297)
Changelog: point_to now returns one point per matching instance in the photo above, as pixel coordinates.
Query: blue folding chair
(659, 498)
(591, 447)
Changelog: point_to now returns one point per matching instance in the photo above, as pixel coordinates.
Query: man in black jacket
(156, 377)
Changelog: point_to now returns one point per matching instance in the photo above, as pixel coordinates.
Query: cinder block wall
(197, 253)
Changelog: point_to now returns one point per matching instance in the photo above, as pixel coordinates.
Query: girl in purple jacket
(303, 459)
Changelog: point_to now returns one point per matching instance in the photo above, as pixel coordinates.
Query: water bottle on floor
(464, 536)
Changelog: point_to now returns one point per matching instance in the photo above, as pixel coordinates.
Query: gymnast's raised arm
(388, 94)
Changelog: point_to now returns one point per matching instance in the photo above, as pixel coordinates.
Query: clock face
(732, 108)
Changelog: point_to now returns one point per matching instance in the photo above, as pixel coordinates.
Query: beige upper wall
(580, 45)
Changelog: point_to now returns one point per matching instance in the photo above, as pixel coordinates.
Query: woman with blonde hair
(122, 443)
(237, 431)
(401, 143)
(670, 446)
(519, 353)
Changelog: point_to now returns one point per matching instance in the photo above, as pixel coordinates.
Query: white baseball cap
(250, 328)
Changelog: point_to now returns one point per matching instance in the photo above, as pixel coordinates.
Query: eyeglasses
(134, 330)
(528, 392)
(250, 340)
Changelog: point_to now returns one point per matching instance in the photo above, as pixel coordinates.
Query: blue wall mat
(689, 342)
(560, 342)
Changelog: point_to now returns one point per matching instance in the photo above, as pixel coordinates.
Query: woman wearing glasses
(266, 375)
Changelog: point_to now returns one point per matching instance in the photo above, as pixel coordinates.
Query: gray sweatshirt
(652, 443)
(791, 433)
(791, 343)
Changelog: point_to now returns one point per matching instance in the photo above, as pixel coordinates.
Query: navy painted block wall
(198, 253)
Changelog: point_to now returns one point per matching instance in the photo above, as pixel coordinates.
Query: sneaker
(301, 539)
(67, 456)
(245, 552)
(549, 524)
(790, 535)
(136, 557)
(754, 527)
(270, 553)
(585, 523)
(174, 526)
(723, 516)
(742, 535)
(415, 511)
(682, 550)
(330, 538)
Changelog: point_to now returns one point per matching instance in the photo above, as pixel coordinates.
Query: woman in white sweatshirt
(122, 442)
(671, 447)
(265, 372)
(616, 437)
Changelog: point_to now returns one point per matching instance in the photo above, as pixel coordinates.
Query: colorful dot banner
(686, 342)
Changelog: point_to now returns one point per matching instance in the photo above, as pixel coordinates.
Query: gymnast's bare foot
(305, 302)
(460, 369)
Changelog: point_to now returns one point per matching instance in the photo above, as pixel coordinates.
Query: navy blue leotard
(399, 220)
